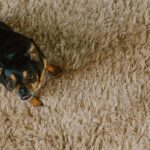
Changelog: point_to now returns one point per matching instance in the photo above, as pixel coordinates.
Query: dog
(23, 65)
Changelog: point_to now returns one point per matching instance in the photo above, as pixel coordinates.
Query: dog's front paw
(54, 70)
(36, 102)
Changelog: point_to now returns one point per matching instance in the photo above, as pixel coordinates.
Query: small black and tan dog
(22, 65)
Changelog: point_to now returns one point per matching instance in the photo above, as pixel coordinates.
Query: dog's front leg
(36, 102)
(53, 69)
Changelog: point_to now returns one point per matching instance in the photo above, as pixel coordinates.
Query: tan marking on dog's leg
(53, 69)
(36, 102)
(50, 68)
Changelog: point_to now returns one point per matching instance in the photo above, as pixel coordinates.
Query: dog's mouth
(25, 97)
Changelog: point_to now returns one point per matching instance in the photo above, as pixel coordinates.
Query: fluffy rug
(102, 101)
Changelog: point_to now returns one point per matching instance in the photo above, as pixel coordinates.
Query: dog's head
(24, 73)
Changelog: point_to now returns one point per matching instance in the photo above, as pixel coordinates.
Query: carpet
(102, 101)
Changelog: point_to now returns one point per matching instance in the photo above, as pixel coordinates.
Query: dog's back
(3, 26)
(12, 44)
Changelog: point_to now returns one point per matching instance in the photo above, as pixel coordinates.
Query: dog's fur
(22, 64)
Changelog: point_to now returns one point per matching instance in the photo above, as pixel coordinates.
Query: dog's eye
(31, 78)
(10, 84)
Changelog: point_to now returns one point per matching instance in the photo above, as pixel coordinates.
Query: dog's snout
(24, 93)
(23, 90)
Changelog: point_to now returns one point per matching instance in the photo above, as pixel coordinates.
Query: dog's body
(22, 64)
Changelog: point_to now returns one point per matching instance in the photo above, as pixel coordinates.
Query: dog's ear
(34, 53)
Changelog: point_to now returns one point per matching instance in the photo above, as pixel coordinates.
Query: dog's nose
(24, 93)
(23, 90)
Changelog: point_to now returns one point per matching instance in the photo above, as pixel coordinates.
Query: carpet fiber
(102, 101)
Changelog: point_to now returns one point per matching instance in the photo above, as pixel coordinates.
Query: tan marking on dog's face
(35, 84)
(25, 74)
(34, 87)
(31, 86)
(17, 87)
(1, 69)
(13, 77)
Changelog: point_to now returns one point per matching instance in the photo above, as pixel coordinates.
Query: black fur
(14, 57)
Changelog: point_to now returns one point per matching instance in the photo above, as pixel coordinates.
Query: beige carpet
(102, 102)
